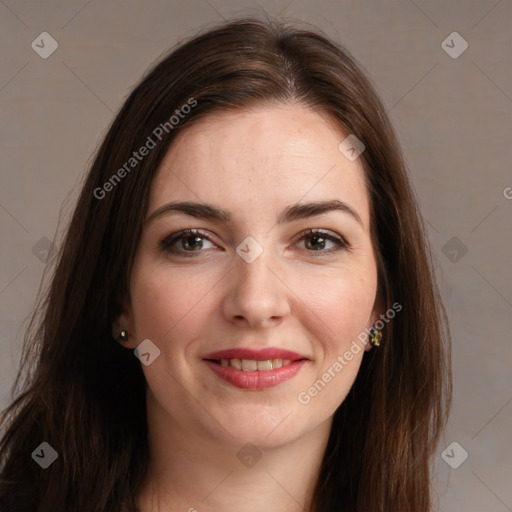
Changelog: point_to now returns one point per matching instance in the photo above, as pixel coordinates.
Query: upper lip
(255, 354)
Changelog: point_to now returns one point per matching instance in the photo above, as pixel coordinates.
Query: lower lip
(255, 380)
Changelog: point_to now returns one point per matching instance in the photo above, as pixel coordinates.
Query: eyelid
(330, 235)
(167, 242)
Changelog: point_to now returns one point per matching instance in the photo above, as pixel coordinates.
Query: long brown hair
(82, 393)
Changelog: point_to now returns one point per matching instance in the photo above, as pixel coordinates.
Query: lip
(255, 380)
(254, 354)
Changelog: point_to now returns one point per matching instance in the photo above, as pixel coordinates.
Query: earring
(375, 337)
(123, 336)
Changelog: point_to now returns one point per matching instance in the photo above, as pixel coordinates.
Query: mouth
(255, 369)
(252, 365)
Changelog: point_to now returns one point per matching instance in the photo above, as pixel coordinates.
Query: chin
(264, 431)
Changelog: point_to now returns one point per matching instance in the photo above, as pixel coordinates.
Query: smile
(255, 369)
(248, 365)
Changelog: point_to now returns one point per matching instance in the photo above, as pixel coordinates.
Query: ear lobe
(377, 314)
(118, 325)
(122, 330)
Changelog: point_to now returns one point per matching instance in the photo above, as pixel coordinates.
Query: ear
(377, 312)
(124, 322)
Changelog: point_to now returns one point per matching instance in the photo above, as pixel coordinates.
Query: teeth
(263, 365)
(236, 363)
(250, 365)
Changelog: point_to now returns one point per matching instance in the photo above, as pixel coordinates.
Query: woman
(247, 231)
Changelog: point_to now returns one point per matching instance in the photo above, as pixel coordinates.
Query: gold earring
(375, 337)
(123, 336)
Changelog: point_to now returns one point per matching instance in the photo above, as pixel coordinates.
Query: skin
(253, 163)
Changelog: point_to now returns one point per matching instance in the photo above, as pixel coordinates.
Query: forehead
(272, 155)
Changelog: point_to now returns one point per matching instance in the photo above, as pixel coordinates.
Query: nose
(256, 296)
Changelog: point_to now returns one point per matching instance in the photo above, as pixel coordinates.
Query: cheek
(340, 306)
(349, 311)
(166, 302)
(336, 317)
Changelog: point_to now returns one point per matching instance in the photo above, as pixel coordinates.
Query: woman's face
(252, 277)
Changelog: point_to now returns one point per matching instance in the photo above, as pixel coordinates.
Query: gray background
(453, 117)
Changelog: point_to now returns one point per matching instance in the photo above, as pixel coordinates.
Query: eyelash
(167, 243)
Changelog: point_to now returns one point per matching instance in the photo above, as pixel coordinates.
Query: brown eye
(315, 242)
(322, 242)
(192, 242)
(187, 241)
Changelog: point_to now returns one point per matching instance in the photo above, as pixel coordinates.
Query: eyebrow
(289, 214)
